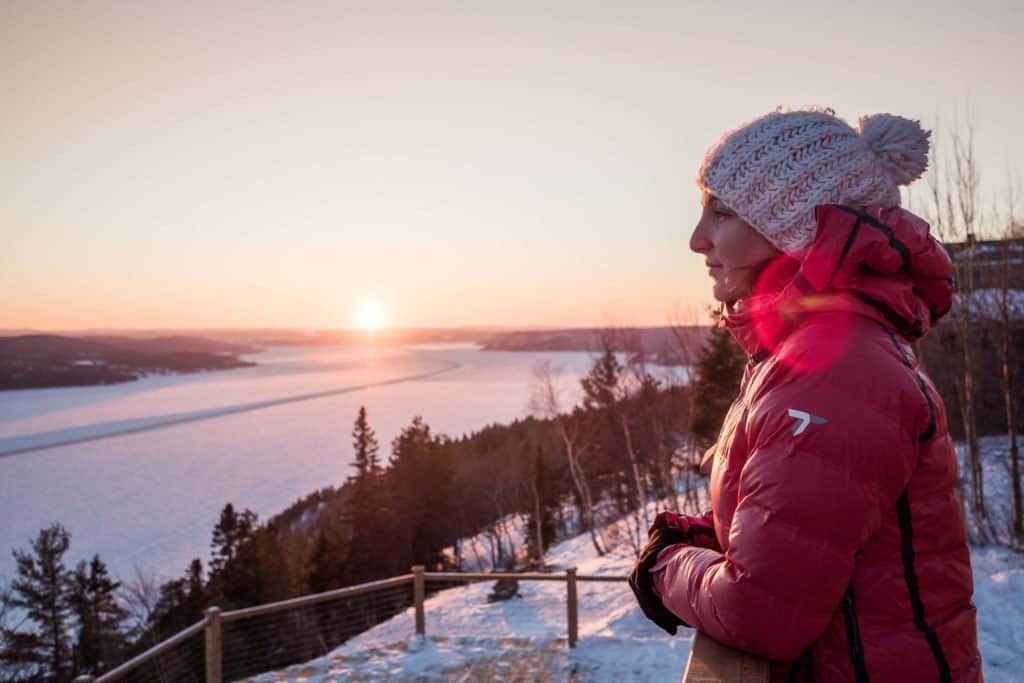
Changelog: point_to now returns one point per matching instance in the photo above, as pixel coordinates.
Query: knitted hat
(775, 169)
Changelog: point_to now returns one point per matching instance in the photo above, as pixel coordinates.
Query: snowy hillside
(469, 638)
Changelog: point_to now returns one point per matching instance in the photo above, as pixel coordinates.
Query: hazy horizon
(354, 329)
(394, 165)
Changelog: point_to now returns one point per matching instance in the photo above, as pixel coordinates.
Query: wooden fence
(709, 661)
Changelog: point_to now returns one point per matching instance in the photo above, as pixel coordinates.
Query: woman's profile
(835, 545)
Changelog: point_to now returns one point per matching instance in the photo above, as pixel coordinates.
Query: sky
(317, 164)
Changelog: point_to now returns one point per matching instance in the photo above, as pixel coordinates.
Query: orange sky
(279, 164)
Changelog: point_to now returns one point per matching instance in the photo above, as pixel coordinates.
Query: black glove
(642, 581)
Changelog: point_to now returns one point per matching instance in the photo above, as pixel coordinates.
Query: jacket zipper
(853, 640)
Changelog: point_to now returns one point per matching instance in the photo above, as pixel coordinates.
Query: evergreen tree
(600, 384)
(602, 390)
(232, 530)
(364, 443)
(181, 602)
(326, 570)
(369, 513)
(40, 589)
(232, 573)
(421, 488)
(98, 616)
(259, 574)
(719, 371)
(195, 592)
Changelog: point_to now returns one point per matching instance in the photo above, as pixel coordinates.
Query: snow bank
(999, 596)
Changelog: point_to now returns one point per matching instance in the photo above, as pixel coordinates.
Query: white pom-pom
(900, 143)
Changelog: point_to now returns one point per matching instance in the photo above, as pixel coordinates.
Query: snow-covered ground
(469, 638)
(616, 642)
(995, 462)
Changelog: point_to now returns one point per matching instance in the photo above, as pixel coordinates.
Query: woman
(835, 545)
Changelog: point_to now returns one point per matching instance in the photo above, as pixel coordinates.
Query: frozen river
(138, 472)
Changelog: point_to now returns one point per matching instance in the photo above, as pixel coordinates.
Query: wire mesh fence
(276, 639)
(242, 643)
(181, 659)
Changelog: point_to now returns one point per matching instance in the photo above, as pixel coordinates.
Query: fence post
(214, 654)
(570, 590)
(418, 594)
(712, 661)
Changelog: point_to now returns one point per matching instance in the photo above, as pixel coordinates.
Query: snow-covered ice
(150, 498)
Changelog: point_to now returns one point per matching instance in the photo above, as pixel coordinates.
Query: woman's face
(733, 251)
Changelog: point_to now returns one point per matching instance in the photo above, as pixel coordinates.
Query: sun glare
(370, 315)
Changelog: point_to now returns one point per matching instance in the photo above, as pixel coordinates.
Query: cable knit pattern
(775, 169)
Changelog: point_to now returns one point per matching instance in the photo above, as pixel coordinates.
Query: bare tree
(688, 348)
(546, 401)
(534, 488)
(538, 522)
(953, 212)
(139, 597)
(1009, 311)
(627, 384)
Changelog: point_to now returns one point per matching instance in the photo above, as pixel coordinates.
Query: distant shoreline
(44, 361)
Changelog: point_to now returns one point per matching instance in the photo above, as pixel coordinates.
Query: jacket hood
(878, 262)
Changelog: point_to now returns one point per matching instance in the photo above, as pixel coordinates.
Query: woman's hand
(669, 529)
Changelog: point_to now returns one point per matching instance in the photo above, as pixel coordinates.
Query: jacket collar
(875, 262)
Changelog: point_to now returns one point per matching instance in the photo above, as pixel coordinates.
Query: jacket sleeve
(807, 503)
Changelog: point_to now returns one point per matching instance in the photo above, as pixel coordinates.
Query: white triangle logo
(803, 419)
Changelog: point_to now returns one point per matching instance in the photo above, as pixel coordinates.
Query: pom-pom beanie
(775, 169)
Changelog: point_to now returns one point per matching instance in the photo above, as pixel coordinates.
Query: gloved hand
(661, 536)
(701, 530)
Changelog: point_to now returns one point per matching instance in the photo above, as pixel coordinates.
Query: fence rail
(229, 651)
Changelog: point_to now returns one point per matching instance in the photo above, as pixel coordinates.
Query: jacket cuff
(664, 557)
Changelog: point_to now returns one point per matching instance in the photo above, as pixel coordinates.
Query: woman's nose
(698, 240)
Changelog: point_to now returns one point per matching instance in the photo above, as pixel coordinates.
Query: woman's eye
(723, 214)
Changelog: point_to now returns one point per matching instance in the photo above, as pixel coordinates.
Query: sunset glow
(173, 167)
(370, 315)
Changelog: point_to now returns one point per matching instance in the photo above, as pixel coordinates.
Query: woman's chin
(722, 293)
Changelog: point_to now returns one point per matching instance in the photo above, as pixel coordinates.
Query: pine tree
(40, 589)
(232, 530)
(602, 395)
(368, 511)
(181, 602)
(719, 371)
(98, 616)
(421, 492)
(326, 571)
(364, 443)
(233, 574)
(600, 384)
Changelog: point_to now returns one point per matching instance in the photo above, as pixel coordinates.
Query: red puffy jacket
(843, 549)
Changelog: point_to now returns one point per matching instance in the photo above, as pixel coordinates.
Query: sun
(370, 315)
